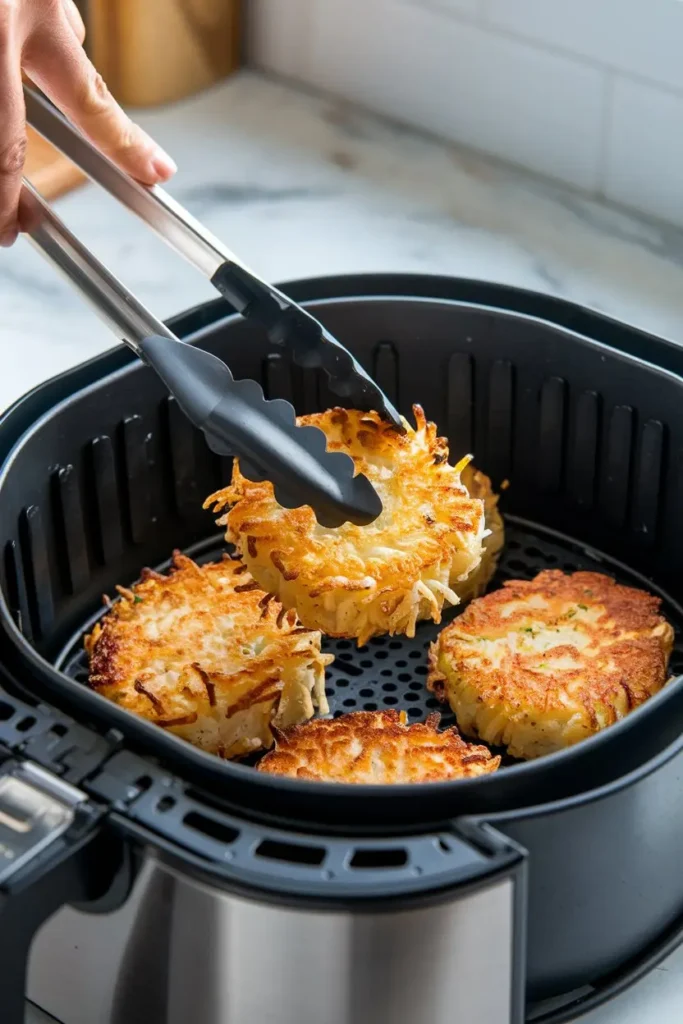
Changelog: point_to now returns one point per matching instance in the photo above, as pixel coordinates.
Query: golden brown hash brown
(206, 654)
(375, 747)
(537, 666)
(479, 486)
(360, 581)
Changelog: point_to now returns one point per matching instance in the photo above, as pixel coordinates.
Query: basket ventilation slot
(385, 370)
(617, 474)
(136, 441)
(584, 453)
(551, 433)
(460, 413)
(369, 858)
(70, 527)
(181, 436)
(500, 421)
(276, 375)
(110, 531)
(37, 569)
(210, 827)
(17, 598)
(648, 481)
(291, 853)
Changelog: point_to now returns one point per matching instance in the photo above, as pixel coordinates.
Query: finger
(30, 213)
(58, 64)
(12, 125)
(74, 18)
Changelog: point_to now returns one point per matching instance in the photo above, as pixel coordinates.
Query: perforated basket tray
(390, 672)
(113, 479)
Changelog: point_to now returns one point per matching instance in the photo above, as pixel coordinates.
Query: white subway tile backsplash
(468, 7)
(524, 80)
(643, 37)
(645, 150)
(277, 35)
(498, 95)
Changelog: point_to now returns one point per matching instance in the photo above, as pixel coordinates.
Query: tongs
(234, 415)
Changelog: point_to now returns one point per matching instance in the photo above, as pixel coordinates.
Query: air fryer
(531, 894)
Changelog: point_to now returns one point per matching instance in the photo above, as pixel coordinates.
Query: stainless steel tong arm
(288, 325)
(127, 318)
(153, 205)
(234, 415)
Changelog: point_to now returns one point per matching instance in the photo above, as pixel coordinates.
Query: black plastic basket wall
(591, 442)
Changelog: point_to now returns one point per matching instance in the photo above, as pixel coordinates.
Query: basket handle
(54, 850)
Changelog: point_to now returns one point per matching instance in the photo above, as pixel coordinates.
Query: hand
(43, 38)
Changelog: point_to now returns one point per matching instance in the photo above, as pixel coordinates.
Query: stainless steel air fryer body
(211, 893)
(195, 953)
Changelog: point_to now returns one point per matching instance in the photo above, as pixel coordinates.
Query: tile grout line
(482, 23)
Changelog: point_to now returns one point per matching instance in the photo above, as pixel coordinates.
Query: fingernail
(163, 165)
(8, 238)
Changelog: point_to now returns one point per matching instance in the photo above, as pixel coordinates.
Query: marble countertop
(299, 186)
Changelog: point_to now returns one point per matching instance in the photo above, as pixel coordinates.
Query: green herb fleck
(527, 629)
(137, 600)
(583, 607)
(543, 664)
(571, 613)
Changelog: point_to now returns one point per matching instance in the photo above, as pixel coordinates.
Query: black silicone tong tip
(287, 323)
(235, 417)
(310, 344)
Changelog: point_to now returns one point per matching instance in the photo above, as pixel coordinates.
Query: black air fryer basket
(102, 475)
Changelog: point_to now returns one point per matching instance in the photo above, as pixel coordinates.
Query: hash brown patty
(204, 653)
(537, 666)
(375, 747)
(479, 486)
(363, 581)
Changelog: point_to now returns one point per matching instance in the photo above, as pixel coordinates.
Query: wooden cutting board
(47, 170)
(151, 52)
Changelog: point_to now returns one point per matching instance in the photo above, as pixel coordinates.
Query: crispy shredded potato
(479, 486)
(361, 581)
(537, 666)
(206, 654)
(377, 747)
